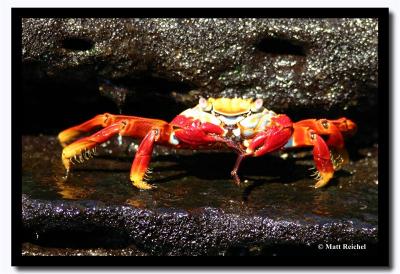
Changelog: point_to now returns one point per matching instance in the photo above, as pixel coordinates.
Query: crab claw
(274, 137)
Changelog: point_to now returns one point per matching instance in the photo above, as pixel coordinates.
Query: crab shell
(239, 118)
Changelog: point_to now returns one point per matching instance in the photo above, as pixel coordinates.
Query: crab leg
(322, 160)
(79, 147)
(324, 127)
(303, 137)
(236, 168)
(346, 128)
(138, 126)
(335, 130)
(151, 130)
(66, 135)
(142, 159)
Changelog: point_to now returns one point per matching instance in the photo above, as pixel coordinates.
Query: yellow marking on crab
(251, 121)
(323, 179)
(138, 182)
(231, 106)
(197, 113)
(67, 135)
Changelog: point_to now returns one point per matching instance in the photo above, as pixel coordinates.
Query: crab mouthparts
(230, 120)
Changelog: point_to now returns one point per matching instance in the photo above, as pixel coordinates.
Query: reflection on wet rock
(197, 209)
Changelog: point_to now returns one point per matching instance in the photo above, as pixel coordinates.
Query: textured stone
(196, 209)
(205, 231)
(292, 63)
(29, 249)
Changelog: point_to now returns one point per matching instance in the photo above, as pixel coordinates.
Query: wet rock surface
(159, 67)
(35, 250)
(289, 62)
(196, 209)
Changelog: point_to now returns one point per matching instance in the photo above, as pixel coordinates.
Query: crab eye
(325, 124)
(257, 105)
(203, 103)
(312, 135)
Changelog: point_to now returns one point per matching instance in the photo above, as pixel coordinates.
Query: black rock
(196, 209)
(303, 67)
(205, 231)
(289, 62)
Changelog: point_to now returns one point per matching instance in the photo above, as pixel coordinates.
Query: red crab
(242, 125)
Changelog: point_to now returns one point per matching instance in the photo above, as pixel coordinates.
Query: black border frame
(382, 14)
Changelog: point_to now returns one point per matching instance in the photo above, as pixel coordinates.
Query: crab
(242, 125)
